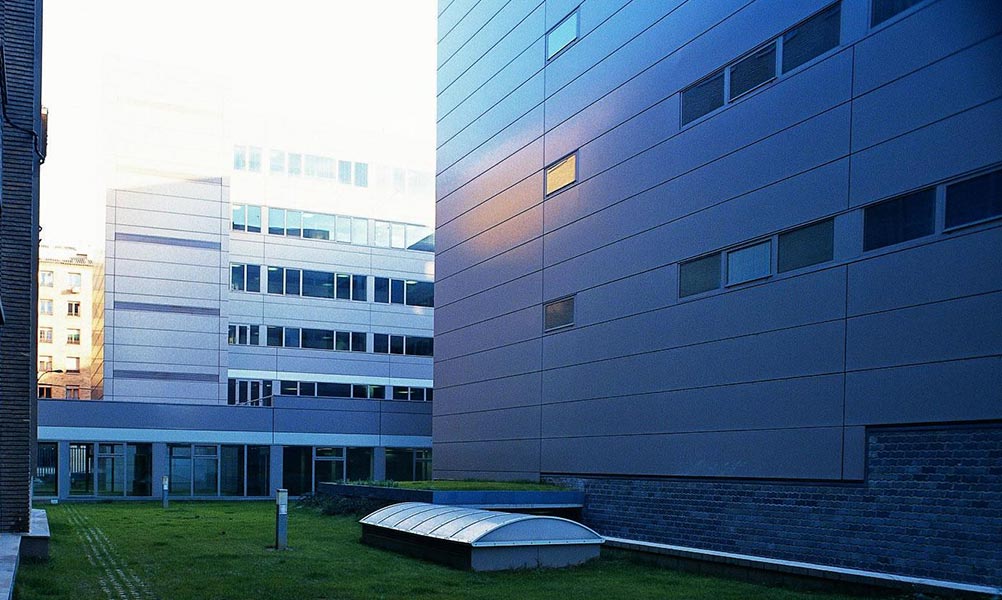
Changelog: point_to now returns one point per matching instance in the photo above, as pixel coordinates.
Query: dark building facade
(732, 268)
(20, 143)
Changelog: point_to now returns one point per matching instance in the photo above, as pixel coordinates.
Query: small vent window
(812, 38)
(703, 98)
(698, 276)
(562, 35)
(559, 313)
(899, 219)
(974, 200)
(561, 174)
(806, 246)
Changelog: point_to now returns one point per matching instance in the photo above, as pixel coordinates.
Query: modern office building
(66, 321)
(267, 323)
(731, 268)
(22, 147)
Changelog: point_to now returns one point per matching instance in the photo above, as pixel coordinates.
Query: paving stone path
(118, 580)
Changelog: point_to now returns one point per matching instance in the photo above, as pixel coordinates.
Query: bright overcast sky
(371, 59)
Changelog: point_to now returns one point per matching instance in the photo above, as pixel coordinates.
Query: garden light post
(281, 519)
(165, 483)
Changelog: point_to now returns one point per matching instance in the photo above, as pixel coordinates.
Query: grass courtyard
(219, 550)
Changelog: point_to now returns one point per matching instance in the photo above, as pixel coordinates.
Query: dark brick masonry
(931, 506)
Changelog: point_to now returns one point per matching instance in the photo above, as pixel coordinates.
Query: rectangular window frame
(562, 326)
(547, 191)
(552, 54)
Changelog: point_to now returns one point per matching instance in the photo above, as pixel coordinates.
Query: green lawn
(217, 550)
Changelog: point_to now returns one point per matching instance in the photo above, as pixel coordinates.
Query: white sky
(367, 61)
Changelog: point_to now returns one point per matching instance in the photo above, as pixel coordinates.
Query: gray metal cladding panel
(508, 234)
(450, 15)
(510, 360)
(509, 297)
(877, 172)
(809, 144)
(404, 424)
(167, 222)
(165, 241)
(511, 455)
(508, 392)
(327, 421)
(963, 390)
(134, 275)
(420, 368)
(167, 308)
(740, 312)
(506, 205)
(504, 424)
(780, 453)
(943, 28)
(786, 403)
(494, 180)
(178, 392)
(949, 330)
(796, 352)
(484, 25)
(906, 104)
(514, 137)
(507, 266)
(724, 201)
(507, 329)
(174, 197)
(147, 324)
(322, 361)
(58, 413)
(956, 266)
(169, 355)
(646, 291)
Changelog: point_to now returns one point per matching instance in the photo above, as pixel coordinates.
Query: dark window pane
(417, 394)
(428, 394)
(396, 344)
(358, 291)
(974, 200)
(359, 391)
(401, 393)
(885, 9)
(359, 464)
(236, 277)
(899, 219)
(380, 343)
(307, 388)
(276, 280)
(231, 336)
(231, 471)
(399, 464)
(276, 221)
(419, 346)
(328, 470)
(139, 470)
(420, 293)
(753, 70)
(358, 341)
(700, 275)
(297, 469)
(320, 339)
(377, 391)
(275, 336)
(343, 286)
(231, 391)
(812, 38)
(291, 337)
(318, 284)
(292, 281)
(342, 341)
(806, 246)
(253, 278)
(334, 390)
(703, 98)
(397, 291)
(258, 470)
(381, 291)
(289, 388)
(255, 335)
(558, 314)
(179, 470)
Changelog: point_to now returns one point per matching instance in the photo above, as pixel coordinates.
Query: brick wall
(930, 506)
(19, 21)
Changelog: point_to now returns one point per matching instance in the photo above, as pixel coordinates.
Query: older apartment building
(732, 269)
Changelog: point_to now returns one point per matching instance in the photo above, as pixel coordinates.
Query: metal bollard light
(281, 519)
(164, 482)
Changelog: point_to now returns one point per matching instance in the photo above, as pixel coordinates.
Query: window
(562, 35)
(124, 469)
(276, 221)
(342, 285)
(295, 164)
(254, 159)
(383, 343)
(73, 337)
(381, 289)
(699, 275)
(358, 341)
(239, 158)
(753, 70)
(274, 336)
(45, 306)
(276, 161)
(344, 171)
(557, 314)
(343, 233)
(245, 278)
(45, 335)
(244, 335)
(72, 309)
(318, 284)
(72, 364)
(899, 219)
(73, 392)
(561, 174)
(381, 234)
(293, 277)
(46, 278)
(703, 97)
(76, 281)
(359, 231)
(974, 200)
(45, 392)
(882, 10)
(254, 219)
(319, 339)
(361, 174)
(358, 285)
(291, 337)
(806, 246)
(238, 219)
(398, 235)
(44, 364)
(419, 346)
(420, 293)
(812, 38)
(276, 280)
(317, 226)
(46, 470)
(747, 264)
(81, 469)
